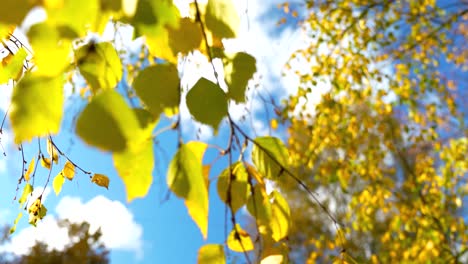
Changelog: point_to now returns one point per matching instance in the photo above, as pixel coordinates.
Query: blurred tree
(386, 146)
(84, 247)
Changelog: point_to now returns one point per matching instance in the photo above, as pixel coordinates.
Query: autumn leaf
(46, 163)
(52, 151)
(185, 179)
(58, 182)
(30, 170)
(68, 170)
(101, 180)
(239, 240)
(211, 253)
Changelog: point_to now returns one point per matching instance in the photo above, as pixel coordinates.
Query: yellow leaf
(211, 253)
(274, 123)
(13, 228)
(53, 152)
(45, 162)
(198, 148)
(135, 167)
(239, 240)
(185, 179)
(69, 170)
(27, 175)
(58, 182)
(281, 216)
(101, 180)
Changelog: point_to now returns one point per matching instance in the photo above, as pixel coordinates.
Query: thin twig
(63, 154)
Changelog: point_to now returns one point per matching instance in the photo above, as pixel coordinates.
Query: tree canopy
(85, 248)
(376, 171)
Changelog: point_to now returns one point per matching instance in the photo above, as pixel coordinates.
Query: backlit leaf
(239, 240)
(58, 182)
(281, 216)
(207, 103)
(100, 180)
(238, 186)
(135, 164)
(222, 19)
(158, 87)
(34, 112)
(30, 170)
(37, 211)
(211, 253)
(151, 19)
(186, 38)
(66, 14)
(269, 155)
(27, 190)
(239, 69)
(46, 163)
(68, 170)
(52, 151)
(108, 123)
(15, 223)
(185, 178)
(51, 51)
(100, 65)
(135, 167)
(11, 67)
(259, 206)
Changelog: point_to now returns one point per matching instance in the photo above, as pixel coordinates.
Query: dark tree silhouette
(84, 248)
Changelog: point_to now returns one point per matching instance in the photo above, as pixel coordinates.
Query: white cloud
(118, 227)
(48, 231)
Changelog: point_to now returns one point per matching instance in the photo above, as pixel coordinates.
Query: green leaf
(222, 19)
(281, 216)
(158, 87)
(151, 20)
(37, 107)
(269, 155)
(185, 178)
(12, 69)
(239, 186)
(112, 5)
(135, 165)
(259, 206)
(27, 190)
(14, 11)
(238, 70)
(65, 14)
(100, 65)
(211, 253)
(207, 103)
(51, 51)
(58, 182)
(239, 240)
(146, 120)
(186, 38)
(108, 123)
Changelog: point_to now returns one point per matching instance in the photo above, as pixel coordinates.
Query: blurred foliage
(376, 171)
(386, 145)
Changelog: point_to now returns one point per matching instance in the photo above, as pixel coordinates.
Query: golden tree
(385, 148)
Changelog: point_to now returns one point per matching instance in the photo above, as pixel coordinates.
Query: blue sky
(153, 229)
